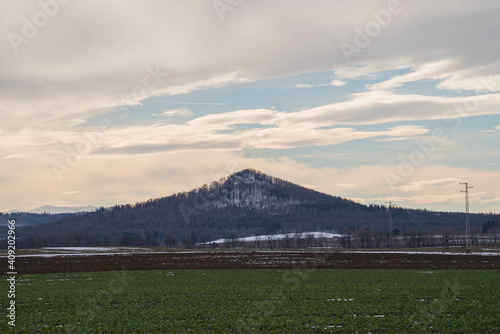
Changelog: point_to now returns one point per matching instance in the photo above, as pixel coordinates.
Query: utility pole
(390, 225)
(467, 222)
(356, 236)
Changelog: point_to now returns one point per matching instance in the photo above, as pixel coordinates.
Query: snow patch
(273, 237)
(421, 252)
(97, 249)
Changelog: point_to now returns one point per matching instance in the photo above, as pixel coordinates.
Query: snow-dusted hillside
(250, 189)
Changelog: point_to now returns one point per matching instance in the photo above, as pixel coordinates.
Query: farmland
(259, 301)
(53, 261)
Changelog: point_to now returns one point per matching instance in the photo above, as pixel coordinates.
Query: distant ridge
(62, 209)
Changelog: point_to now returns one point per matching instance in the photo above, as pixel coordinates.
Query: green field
(258, 301)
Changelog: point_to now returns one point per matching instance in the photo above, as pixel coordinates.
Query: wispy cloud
(417, 186)
(307, 86)
(192, 103)
(64, 80)
(177, 112)
(491, 200)
(338, 83)
(70, 192)
(334, 83)
(346, 185)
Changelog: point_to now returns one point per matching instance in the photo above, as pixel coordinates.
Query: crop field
(258, 301)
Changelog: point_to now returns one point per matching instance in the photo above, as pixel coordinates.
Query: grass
(258, 301)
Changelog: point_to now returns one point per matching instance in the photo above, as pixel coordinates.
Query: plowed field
(250, 260)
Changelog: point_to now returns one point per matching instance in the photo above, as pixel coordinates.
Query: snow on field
(304, 235)
(97, 249)
(71, 254)
(85, 251)
(421, 252)
(132, 253)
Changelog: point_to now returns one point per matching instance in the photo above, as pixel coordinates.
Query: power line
(467, 222)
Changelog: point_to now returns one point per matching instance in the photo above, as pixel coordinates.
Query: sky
(114, 102)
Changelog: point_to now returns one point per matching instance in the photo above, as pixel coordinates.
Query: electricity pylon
(390, 225)
(467, 222)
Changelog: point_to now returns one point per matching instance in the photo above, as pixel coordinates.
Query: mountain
(63, 209)
(257, 192)
(243, 204)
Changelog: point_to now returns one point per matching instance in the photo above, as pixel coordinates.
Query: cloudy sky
(106, 102)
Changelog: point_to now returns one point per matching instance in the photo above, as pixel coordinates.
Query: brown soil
(249, 260)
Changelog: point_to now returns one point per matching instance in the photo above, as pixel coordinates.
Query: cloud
(185, 113)
(305, 86)
(379, 106)
(334, 83)
(192, 103)
(51, 73)
(271, 129)
(425, 199)
(346, 185)
(428, 71)
(416, 186)
(72, 192)
(338, 83)
(491, 200)
(407, 130)
(25, 155)
(72, 70)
